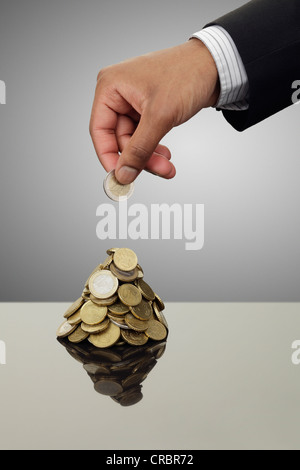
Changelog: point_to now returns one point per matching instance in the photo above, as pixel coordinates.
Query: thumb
(140, 148)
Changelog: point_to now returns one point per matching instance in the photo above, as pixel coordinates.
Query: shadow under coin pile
(116, 306)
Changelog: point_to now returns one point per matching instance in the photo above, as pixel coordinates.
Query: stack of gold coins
(117, 372)
(116, 306)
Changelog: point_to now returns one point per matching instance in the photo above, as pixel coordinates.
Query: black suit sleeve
(267, 36)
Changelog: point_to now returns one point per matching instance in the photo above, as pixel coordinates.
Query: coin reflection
(119, 371)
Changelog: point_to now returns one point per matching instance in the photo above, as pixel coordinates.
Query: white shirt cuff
(234, 85)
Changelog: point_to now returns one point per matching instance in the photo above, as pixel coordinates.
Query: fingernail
(126, 174)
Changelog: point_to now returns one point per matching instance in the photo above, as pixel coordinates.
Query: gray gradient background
(51, 180)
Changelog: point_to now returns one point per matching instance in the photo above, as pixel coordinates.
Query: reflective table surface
(226, 378)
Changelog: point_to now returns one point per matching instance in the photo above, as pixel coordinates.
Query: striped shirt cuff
(234, 83)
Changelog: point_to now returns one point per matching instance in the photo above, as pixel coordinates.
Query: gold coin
(126, 276)
(129, 295)
(159, 302)
(103, 284)
(106, 338)
(118, 308)
(156, 330)
(153, 316)
(125, 259)
(111, 251)
(104, 302)
(159, 315)
(142, 311)
(145, 289)
(107, 262)
(78, 335)
(135, 324)
(95, 328)
(115, 190)
(85, 296)
(74, 307)
(65, 329)
(92, 314)
(134, 337)
(75, 319)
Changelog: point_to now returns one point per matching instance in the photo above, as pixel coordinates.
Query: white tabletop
(225, 381)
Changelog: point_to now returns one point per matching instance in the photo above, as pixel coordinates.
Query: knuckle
(102, 73)
(106, 73)
(140, 152)
(137, 155)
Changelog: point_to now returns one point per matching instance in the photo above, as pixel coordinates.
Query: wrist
(207, 71)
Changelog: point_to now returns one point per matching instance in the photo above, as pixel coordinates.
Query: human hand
(138, 101)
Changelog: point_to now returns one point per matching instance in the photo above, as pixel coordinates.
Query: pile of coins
(119, 371)
(116, 306)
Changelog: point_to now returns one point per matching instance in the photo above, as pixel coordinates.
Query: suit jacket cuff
(267, 36)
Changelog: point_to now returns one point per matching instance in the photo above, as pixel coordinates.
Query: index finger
(103, 125)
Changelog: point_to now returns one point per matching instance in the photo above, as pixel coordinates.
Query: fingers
(102, 129)
(164, 151)
(141, 147)
(124, 130)
(115, 127)
(160, 166)
(158, 163)
(114, 135)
